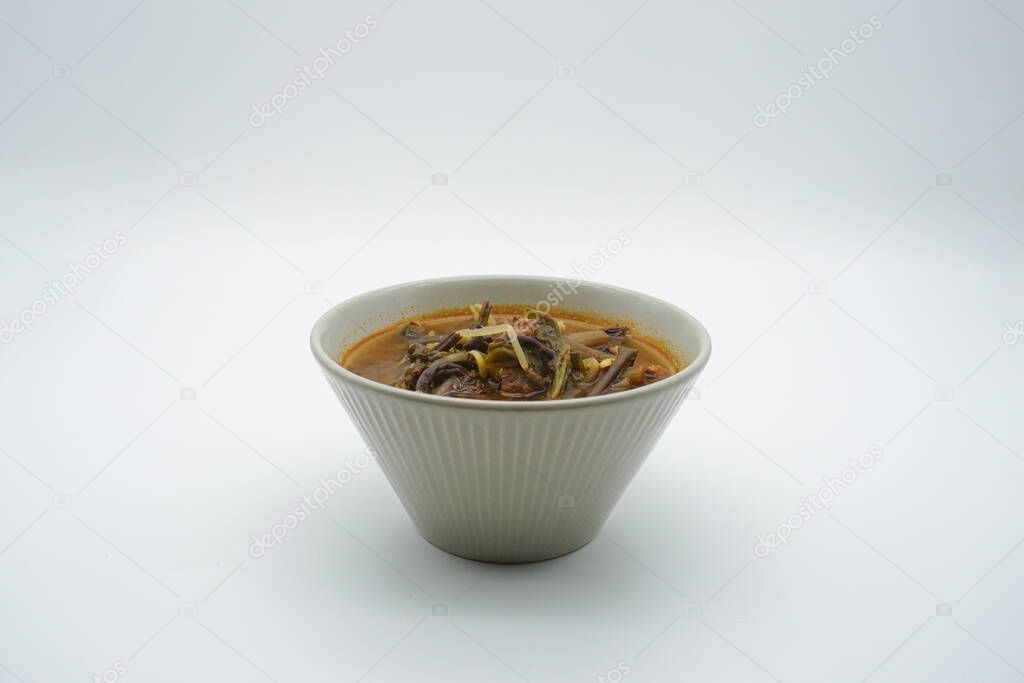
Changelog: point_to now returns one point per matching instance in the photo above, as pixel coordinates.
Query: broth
(510, 353)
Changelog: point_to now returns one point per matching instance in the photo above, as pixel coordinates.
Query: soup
(510, 353)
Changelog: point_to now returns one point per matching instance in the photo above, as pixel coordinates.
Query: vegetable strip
(624, 358)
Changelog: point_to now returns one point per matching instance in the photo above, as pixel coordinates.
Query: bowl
(508, 481)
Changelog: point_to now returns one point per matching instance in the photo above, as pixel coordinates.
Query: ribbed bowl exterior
(509, 487)
(505, 481)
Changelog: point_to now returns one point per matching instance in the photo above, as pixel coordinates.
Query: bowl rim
(335, 368)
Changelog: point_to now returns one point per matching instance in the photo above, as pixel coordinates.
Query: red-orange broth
(563, 355)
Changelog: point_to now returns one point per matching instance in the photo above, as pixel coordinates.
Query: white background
(853, 299)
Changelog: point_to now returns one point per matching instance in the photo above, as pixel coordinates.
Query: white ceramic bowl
(504, 481)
